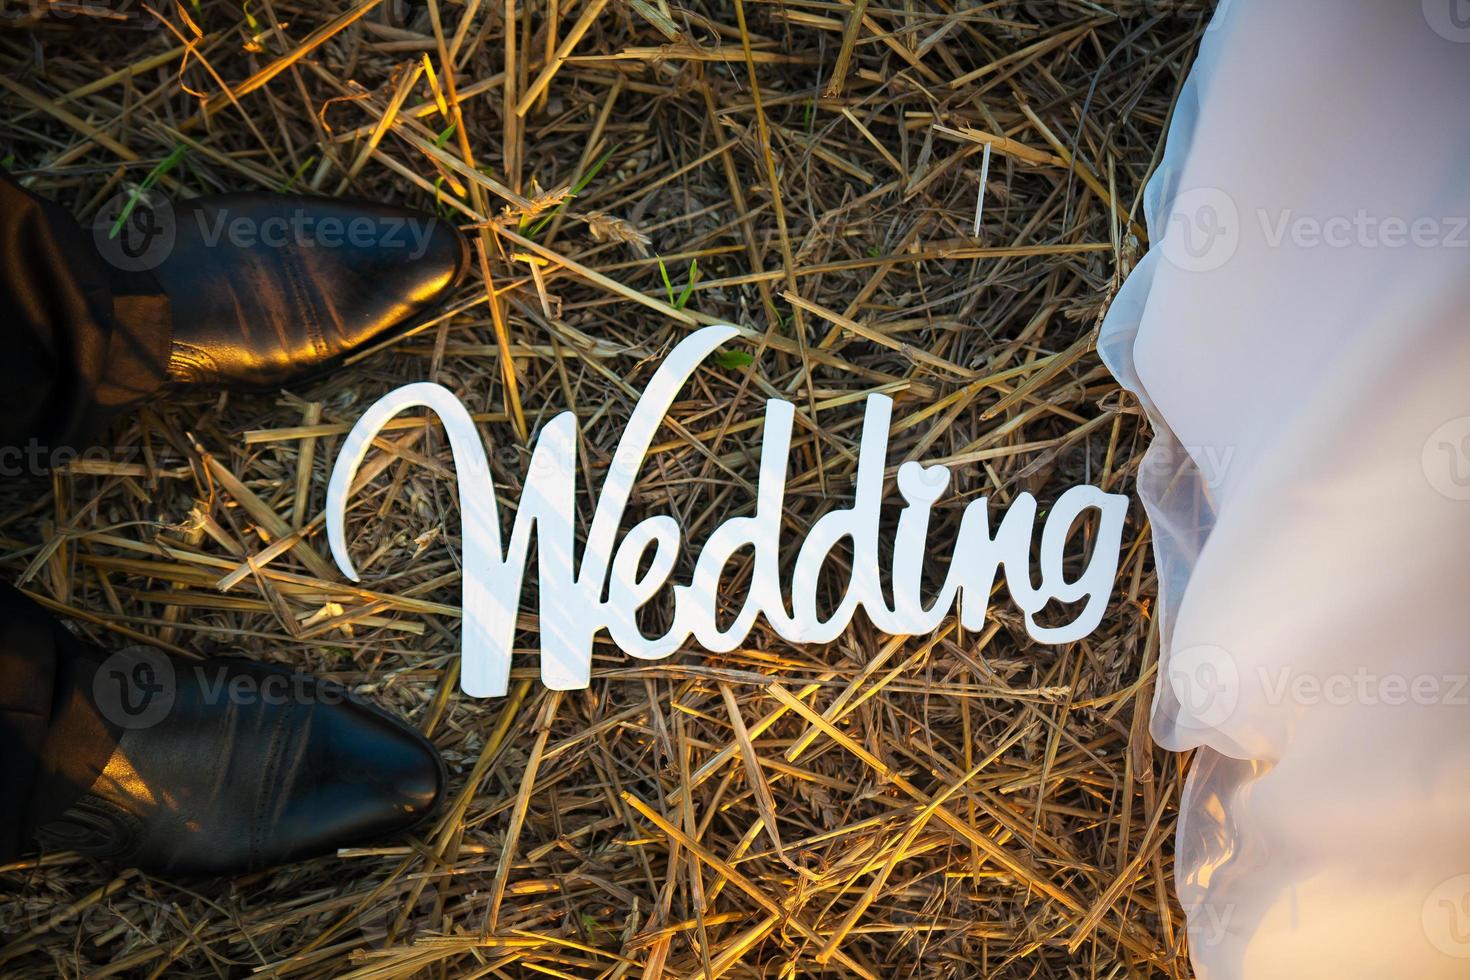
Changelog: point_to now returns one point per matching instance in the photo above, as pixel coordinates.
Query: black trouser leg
(53, 741)
(27, 683)
(80, 341)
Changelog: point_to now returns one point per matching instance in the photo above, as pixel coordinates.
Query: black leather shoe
(268, 288)
(228, 765)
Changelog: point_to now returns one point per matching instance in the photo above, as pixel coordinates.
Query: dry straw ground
(957, 805)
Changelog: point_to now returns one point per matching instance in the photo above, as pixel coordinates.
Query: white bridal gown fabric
(1300, 336)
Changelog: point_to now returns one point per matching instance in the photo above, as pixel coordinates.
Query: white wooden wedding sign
(572, 607)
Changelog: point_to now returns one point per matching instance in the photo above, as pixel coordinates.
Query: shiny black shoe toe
(228, 765)
(265, 289)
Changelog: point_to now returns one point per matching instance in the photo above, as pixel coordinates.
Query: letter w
(491, 577)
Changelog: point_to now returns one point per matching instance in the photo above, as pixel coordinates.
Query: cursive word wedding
(572, 604)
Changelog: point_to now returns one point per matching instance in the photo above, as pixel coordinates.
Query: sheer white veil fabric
(1299, 335)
